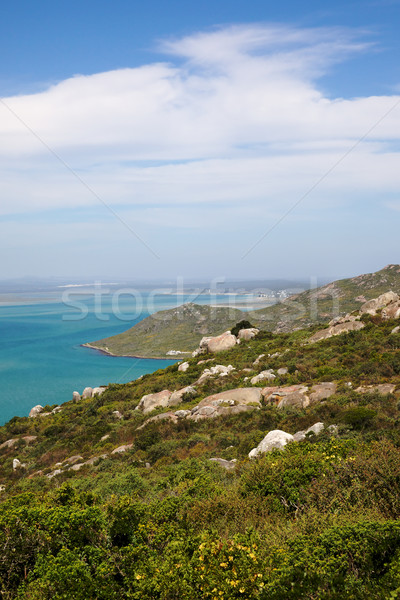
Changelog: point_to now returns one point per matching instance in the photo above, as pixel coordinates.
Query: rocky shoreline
(109, 353)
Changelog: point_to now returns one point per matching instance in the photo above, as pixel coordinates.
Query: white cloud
(236, 118)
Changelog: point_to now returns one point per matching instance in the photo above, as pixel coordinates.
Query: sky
(240, 139)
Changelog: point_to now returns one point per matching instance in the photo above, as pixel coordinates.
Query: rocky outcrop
(391, 311)
(222, 342)
(183, 367)
(274, 440)
(167, 416)
(277, 439)
(322, 391)
(264, 375)
(87, 393)
(283, 397)
(338, 329)
(248, 334)
(382, 388)
(227, 403)
(76, 396)
(35, 411)
(11, 443)
(178, 396)
(220, 370)
(316, 429)
(122, 449)
(151, 401)
(373, 306)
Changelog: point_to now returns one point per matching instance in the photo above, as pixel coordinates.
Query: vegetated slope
(175, 329)
(183, 328)
(324, 303)
(158, 519)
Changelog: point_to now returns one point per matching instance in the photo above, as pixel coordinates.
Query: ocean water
(41, 357)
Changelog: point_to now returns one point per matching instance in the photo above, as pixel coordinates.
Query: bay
(41, 357)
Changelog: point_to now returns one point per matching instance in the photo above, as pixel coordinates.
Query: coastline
(108, 353)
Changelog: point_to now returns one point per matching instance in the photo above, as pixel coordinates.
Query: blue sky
(240, 138)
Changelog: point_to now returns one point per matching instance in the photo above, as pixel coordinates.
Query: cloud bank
(230, 131)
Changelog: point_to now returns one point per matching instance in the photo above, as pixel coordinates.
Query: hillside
(175, 329)
(147, 491)
(182, 328)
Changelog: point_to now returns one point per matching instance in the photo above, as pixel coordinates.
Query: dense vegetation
(320, 519)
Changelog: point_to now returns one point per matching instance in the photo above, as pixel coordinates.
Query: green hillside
(121, 505)
(176, 329)
(182, 328)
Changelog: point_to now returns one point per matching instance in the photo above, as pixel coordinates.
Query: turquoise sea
(41, 358)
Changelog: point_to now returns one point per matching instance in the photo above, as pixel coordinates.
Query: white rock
(16, 464)
(248, 334)
(87, 393)
(182, 414)
(98, 390)
(2, 488)
(117, 414)
(283, 371)
(121, 449)
(105, 437)
(275, 439)
(76, 396)
(396, 329)
(268, 375)
(183, 367)
(35, 411)
(258, 359)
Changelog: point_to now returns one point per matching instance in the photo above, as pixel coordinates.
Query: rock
(283, 397)
(182, 414)
(275, 439)
(343, 319)
(221, 342)
(226, 464)
(2, 488)
(203, 362)
(360, 299)
(56, 410)
(87, 393)
(220, 370)
(35, 411)
(283, 371)
(122, 449)
(333, 429)
(315, 429)
(322, 391)
(382, 388)
(29, 438)
(76, 396)
(117, 414)
(372, 306)
(53, 473)
(248, 334)
(258, 360)
(324, 334)
(73, 459)
(391, 311)
(183, 367)
(97, 391)
(105, 437)
(174, 352)
(9, 443)
(396, 329)
(294, 400)
(16, 464)
(227, 403)
(268, 374)
(152, 401)
(168, 416)
(237, 396)
(177, 396)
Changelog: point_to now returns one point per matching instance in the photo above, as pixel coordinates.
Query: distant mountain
(182, 328)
